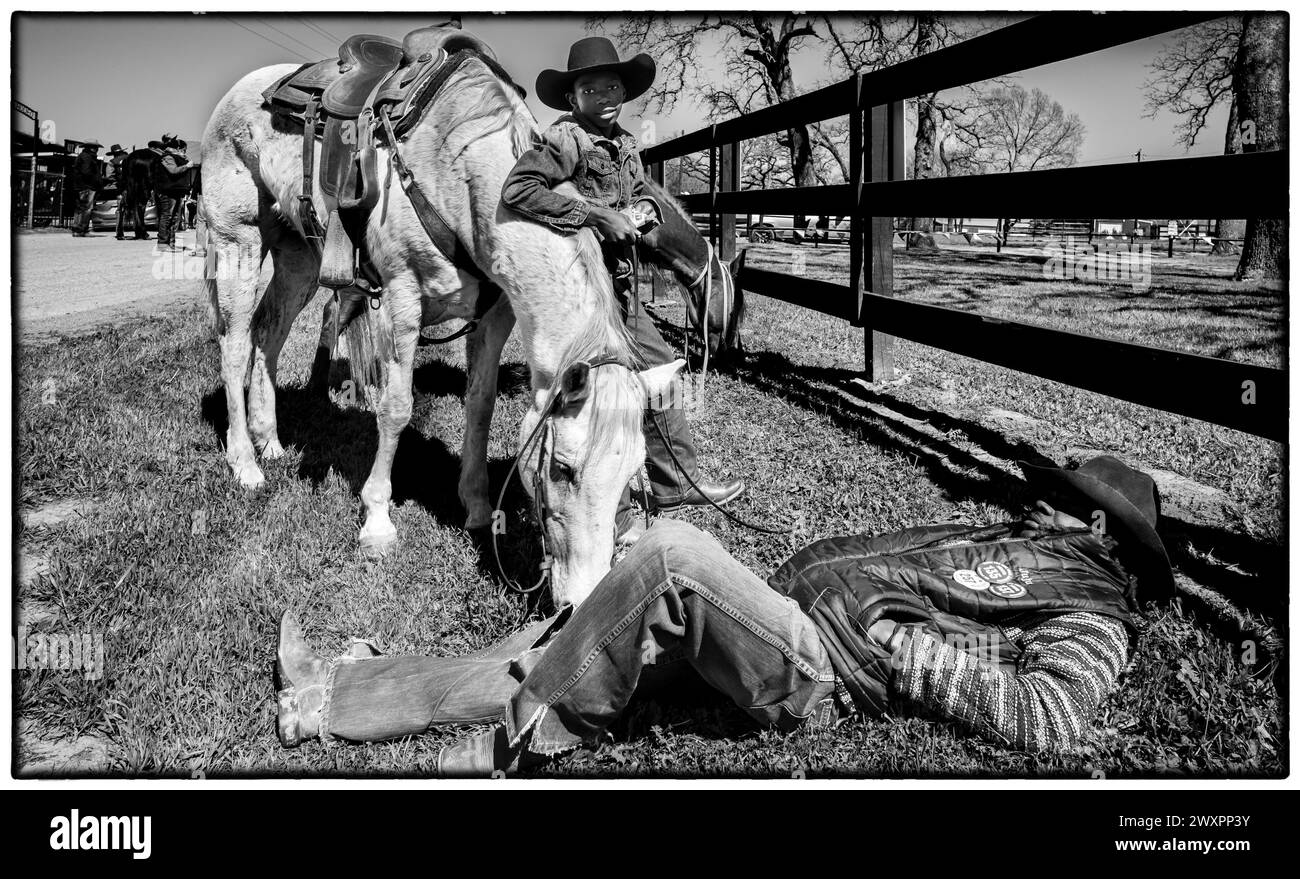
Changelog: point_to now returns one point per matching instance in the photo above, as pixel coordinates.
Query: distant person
(170, 182)
(117, 161)
(86, 181)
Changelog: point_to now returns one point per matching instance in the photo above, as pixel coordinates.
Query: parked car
(104, 214)
(767, 227)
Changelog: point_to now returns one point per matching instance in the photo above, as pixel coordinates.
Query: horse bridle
(541, 505)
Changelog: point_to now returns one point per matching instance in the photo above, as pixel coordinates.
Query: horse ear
(574, 385)
(658, 382)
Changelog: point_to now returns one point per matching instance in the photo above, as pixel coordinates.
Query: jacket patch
(994, 572)
(1007, 590)
(999, 579)
(971, 580)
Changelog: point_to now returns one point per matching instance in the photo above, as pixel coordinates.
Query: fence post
(886, 163)
(713, 184)
(729, 181)
(857, 218)
(31, 184)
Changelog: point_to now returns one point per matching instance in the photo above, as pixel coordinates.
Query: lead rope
(682, 470)
(705, 277)
(498, 515)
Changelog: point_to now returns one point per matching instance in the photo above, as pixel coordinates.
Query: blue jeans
(85, 207)
(677, 598)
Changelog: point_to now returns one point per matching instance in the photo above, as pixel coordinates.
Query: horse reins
(704, 278)
(541, 507)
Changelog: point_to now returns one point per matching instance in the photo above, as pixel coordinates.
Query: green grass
(190, 619)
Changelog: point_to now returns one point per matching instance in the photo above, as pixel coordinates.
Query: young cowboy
(1018, 632)
(588, 148)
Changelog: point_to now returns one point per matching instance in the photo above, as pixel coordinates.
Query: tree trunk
(801, 156)
(1259, 90)
(927, 130)
(1223, 228)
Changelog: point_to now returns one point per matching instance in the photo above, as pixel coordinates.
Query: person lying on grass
(1017, 631)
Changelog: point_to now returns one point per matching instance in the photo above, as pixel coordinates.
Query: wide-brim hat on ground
(116, 150)
(592, 55)
(1131, 502)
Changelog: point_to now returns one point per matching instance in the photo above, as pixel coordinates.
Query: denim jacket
(606, 170)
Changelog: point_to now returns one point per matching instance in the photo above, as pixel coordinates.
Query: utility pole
(1133, 234)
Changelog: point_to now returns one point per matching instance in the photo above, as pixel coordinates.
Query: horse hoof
(250, 477)
(272, 450)
(375, 544)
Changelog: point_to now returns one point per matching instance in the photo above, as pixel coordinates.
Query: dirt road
(68, 285)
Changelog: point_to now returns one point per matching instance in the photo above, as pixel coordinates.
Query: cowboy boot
(302, 674)
(486, 755)
(479, 756)
(628, 526)
(670, 458)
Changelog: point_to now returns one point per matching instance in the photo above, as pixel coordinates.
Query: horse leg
(234, 291)
(291, 286)
(402, 303)
(319, 382)
(482, 361)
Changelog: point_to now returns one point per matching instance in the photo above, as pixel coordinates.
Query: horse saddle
(341, 102)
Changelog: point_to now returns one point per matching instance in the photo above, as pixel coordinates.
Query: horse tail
(369, 338)
(215, 319)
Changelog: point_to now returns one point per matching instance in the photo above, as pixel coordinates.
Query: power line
(265, 37)
(320, 30)
(307, 46)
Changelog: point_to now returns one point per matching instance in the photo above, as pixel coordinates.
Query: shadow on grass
(437, 378)
(425, 471)
(1250, 565)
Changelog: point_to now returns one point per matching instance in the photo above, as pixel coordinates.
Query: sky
(127, 79)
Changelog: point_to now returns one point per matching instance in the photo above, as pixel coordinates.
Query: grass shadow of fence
(1248, 563)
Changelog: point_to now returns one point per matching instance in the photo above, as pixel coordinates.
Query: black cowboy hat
(116, 150)
(1131, 502)
(157, 145)
(87, 144)
(591, 55)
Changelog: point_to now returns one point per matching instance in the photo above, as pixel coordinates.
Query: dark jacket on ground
(1002, 600)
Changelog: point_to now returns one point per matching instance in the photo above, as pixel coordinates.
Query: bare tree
(1259, 88)
(756, 51)
(1015, 129)
(1190, 78)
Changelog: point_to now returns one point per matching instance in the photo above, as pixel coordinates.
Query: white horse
(556, 287)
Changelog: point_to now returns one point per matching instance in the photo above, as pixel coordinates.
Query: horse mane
(664, 198)
(618, 418)
(495, 105)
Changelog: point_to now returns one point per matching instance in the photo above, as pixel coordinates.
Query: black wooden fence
(1238, 395)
